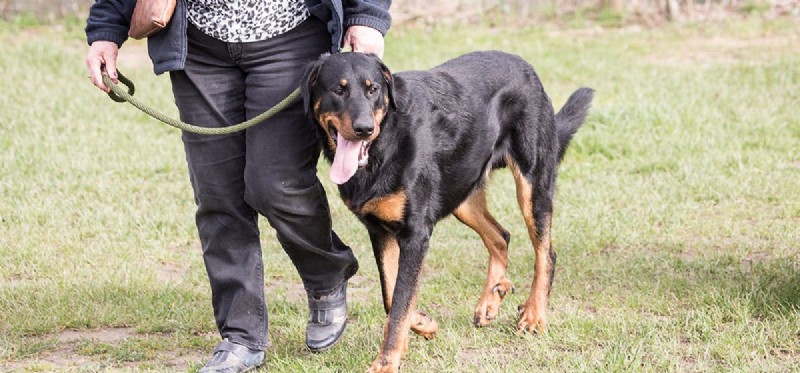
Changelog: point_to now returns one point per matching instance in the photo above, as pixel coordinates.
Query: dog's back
(474, 79)
(477, 111)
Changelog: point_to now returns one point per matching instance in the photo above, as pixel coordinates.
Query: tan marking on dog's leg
(390, 255)
(421, 323)
(474, 213)
(388, 360)
(533, 317)
(533, 313)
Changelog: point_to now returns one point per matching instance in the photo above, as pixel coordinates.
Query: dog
(409, 149)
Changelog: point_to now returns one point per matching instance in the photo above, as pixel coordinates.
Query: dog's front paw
(531, 320)
(424, 325)
(383, 365)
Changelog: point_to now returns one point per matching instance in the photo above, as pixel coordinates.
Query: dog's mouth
(349, 157)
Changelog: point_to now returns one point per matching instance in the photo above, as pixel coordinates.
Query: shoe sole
(251, 368)
(328, 347)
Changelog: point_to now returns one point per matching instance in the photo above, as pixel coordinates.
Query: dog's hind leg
(474, 213)
(387, 254)
(535, 186)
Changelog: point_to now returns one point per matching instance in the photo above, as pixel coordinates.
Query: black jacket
(109, 20)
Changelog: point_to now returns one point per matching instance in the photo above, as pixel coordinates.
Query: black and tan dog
(412, 148)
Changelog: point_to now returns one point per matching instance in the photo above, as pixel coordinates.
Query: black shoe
(232, 357)
(327, 318)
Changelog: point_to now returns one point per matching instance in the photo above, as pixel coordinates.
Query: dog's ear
(387, 76)
(309, 81)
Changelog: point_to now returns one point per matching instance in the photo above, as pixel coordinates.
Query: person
(228, 62)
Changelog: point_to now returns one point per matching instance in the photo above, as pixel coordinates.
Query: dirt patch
(176, 270)
(293, 292)
(758, 257)
(66, 353)
(172, 272)
(61, 358)
(108, 335)
(792, 164)
(476, 357)
(362, 289)
(68, 359)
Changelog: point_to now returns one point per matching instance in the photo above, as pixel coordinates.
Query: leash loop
(118, 94)
(124, 80)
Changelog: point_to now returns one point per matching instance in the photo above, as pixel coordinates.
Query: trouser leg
(211, 92)
(280, 173)
(270, 168)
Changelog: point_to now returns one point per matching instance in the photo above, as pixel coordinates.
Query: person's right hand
(102, 53)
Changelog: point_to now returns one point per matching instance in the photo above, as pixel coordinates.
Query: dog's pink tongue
(345, 161)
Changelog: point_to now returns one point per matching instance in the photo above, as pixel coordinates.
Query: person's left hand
(364, 39)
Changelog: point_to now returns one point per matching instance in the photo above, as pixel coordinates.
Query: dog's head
(348, 96)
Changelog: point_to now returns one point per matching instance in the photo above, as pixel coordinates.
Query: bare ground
(65, 355)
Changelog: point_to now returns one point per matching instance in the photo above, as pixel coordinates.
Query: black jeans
(268, 169)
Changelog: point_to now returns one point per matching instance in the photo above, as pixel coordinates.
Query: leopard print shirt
(237, 21)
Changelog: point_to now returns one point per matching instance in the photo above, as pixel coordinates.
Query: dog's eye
(373, 88)
(338, 91)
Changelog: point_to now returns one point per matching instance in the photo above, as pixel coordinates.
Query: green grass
(676, 220)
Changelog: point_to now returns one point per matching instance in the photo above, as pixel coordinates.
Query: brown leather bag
(150, 16)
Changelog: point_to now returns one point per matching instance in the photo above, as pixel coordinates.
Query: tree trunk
(673, 10)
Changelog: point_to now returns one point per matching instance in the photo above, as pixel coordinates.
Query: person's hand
(364, 39)
(102, 53)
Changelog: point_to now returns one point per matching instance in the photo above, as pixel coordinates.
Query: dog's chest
(390, 208)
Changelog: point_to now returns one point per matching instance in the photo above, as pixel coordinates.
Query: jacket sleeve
(371, 13)
(109, 20)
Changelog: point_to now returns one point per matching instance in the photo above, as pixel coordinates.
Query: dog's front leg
(412, 246)
(387, 255)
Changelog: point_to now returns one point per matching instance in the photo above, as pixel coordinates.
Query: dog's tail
(571, 116)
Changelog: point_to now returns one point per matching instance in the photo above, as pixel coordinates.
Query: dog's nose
(363, 130)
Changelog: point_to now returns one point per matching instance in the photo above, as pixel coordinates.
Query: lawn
(676, 222)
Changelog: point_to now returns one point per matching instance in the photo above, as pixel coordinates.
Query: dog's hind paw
(424, 325)
(489, 304)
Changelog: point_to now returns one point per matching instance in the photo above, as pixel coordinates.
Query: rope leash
(118, 94)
